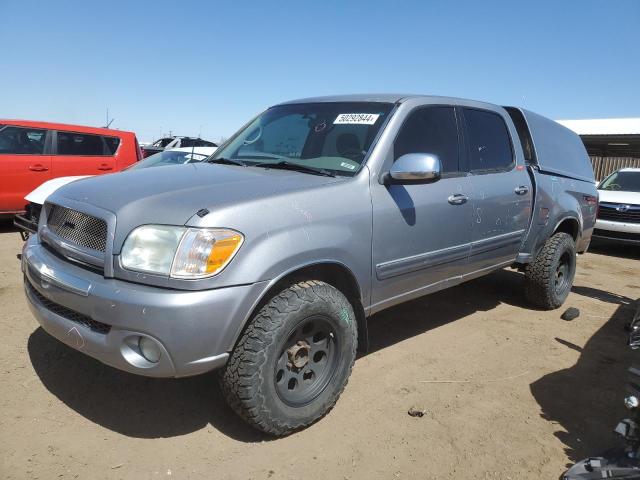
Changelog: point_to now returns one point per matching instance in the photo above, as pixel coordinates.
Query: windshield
(168, 157)
(624, 181)
(329, 136)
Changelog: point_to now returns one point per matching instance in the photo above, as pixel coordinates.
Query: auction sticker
(356, 118)
(348, 166)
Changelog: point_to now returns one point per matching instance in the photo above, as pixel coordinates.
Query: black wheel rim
(307, 361)
(563, 274)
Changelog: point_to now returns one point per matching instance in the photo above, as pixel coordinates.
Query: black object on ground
(416, 412)
(615, 466)
(570, 313)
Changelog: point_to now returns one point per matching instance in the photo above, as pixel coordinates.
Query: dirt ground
(527, 393)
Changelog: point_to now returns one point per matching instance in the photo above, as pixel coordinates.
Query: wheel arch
(332, 272)
(570, 225)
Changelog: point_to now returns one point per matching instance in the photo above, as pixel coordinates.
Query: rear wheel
(293, 360)
(550, 277)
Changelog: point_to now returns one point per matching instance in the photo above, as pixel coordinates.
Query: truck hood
(617, 196)
(172, 195)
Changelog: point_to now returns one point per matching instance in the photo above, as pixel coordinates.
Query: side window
(430, 130)
(489, 141)
(112, 144)
(70, 143)
(22, 141)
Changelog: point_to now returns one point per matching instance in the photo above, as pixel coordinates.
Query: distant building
(612, 143)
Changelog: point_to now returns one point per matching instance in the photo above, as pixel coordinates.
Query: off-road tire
(249, 380)
(541, 275)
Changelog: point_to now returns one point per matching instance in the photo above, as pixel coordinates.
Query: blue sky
(206, 67)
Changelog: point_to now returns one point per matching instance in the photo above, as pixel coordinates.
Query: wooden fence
(603, 166)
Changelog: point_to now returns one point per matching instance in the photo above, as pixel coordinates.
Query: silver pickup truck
(266, 260)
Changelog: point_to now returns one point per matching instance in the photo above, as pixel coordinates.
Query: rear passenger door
(81, 154)
(25, 164)
(501, 187)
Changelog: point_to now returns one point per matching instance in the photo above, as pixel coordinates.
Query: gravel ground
(508, 392)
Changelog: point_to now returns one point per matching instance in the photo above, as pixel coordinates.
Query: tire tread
(241, 378)
(539, 288)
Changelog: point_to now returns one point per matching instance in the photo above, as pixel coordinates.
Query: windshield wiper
(284, 165)
(227, 161)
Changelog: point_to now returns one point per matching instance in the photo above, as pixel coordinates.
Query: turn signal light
(222, 252)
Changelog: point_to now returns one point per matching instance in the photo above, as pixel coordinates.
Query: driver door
(421, 233)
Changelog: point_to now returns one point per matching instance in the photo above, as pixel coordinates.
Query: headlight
(151, 248)
(180, 252)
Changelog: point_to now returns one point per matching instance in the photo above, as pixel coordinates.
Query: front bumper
(618, 231)
(104, 317)
(26, 224)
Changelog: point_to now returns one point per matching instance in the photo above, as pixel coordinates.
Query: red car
(34, 152)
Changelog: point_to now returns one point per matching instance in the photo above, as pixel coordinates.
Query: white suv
(619, 210)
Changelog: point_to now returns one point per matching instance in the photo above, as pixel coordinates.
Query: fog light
(149, 349)
(631, 402)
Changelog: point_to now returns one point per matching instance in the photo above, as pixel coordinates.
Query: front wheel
(548, 280)
(293, 360)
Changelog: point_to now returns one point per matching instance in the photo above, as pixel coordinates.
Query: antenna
(109, 122)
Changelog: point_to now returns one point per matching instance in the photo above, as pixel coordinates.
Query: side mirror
(415, 167)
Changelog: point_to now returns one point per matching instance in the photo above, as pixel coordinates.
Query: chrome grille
(77, 227)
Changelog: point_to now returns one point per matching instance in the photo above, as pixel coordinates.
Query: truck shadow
(585, 400)
(152, 408)
(432, 311)
(130, 404)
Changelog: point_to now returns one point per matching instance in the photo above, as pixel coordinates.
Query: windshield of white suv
(329, 137)
(624, 181)
(168, 157)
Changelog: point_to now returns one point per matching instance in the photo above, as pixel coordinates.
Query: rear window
(70, 143)
(523, 134)
(489, 141)
(204, 143)
(163, 142)
(22, 140)
(111, 144)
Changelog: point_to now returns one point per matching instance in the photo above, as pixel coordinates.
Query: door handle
(457, 199)
(104, 166)
(38, 167)
(521, 190)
